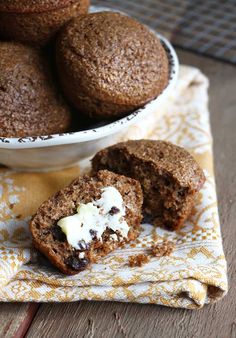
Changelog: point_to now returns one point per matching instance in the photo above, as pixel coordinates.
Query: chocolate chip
(114, 210)
(93, 234)
(58, 234)
(83, 245)
(182, 192)
(2, 88)
(76, 263)
(45, 232)
(160, 155)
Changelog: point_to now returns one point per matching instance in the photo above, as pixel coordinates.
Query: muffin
(169, 176)
(87, 220)
(29, 101)
(109, 64)
(36, 21)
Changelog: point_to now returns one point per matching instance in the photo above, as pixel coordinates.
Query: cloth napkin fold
(195, 274)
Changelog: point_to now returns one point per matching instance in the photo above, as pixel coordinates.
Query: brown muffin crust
(169, 176)
(32, 6)
(115, 63)
(29, 102)
(51, 241)
(36, 22)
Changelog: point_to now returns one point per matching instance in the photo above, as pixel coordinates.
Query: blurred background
(206, 27)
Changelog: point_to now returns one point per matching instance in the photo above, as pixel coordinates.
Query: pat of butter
(93, 218)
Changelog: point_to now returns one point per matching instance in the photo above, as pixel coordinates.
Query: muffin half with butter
(109, 64)
(87, 220)
(37, 21)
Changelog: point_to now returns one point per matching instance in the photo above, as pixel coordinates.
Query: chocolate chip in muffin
(76, 263)
(83, 245)
(93, 233)
(114, 210)
(57, 233)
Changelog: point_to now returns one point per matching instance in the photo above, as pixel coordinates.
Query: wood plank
(91, 319)
(15, 318)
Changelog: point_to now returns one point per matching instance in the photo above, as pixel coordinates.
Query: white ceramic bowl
(52, 152)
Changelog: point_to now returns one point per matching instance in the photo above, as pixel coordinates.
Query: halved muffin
(87, 220)
(169, 175)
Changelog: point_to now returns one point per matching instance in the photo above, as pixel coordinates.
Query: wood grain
(91, 319)
(16, 318)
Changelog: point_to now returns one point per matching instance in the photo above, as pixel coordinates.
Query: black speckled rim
(99, 132)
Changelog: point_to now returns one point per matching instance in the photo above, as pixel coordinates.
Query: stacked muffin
(107, 65)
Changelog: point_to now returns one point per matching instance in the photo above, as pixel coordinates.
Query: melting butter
(93, 218)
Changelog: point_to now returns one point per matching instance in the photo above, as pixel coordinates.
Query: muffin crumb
(138, 260)
(163, 249)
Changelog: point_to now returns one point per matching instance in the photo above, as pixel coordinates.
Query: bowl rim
(101, 131)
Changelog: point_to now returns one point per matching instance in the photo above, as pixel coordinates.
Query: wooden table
(100, 319)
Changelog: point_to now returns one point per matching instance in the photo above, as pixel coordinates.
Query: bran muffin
(109, 64)
(36, 21)
(50, 237)
(29, 101)
(169, 176)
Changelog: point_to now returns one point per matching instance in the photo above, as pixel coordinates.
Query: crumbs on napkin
(164, 248)
(138, 260)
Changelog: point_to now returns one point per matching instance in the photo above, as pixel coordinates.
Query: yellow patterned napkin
(195, 274)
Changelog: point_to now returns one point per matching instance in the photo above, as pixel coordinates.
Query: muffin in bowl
(109, 64)
(36, 21)
(29, 101)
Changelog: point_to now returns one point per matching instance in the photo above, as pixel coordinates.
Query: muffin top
(29, 6)
(162, 155)
(29, 102)
(114, 58)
